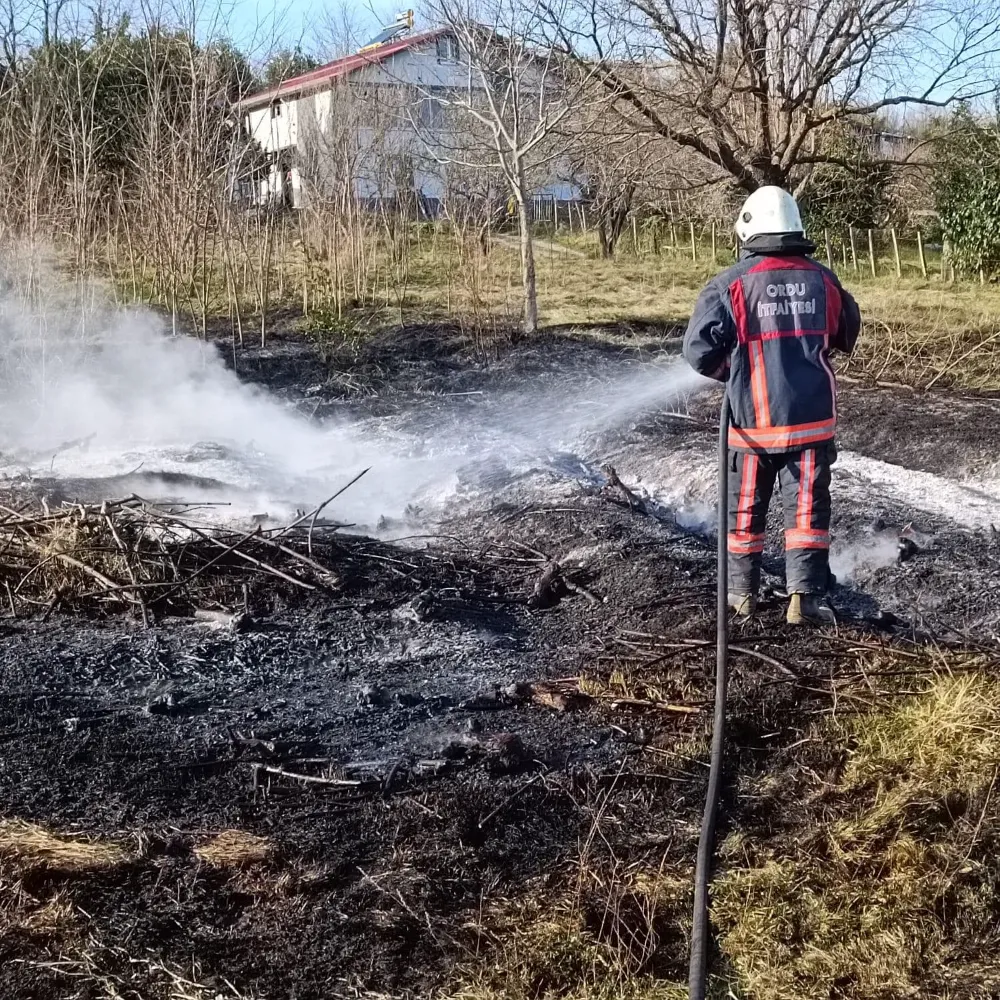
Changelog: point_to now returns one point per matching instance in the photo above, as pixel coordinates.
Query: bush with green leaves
(854, 187)
(967, 189)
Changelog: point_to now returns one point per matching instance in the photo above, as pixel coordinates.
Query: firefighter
(765, 327)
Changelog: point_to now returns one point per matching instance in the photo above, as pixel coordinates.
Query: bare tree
(747, 86)
(340, 30)
(515, 95)
(357, 166)
(610, 163)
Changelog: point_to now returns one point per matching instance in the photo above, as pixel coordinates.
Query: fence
(864, 253)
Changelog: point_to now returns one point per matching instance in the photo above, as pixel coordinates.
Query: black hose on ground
(697, 973)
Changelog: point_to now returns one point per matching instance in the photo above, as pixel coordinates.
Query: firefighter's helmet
(769, 210)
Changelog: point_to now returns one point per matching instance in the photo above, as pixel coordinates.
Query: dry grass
(541, 950)
(235, 849)
(102, 972)
(47, 922)
(875, 877)
(30, 848)
(589, 932)
(635, 683)
(947, 738)
(575, 286)
(186, 984)
(131, 554)
(891, 877)
(51, 918)
(922, 332)
(919, 331)
(35, 864)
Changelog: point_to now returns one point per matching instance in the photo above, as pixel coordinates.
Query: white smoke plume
(135, 400)
(855, 561)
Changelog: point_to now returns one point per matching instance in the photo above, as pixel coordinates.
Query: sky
(327, 29)
(319, 27)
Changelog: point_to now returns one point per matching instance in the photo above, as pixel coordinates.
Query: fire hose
(697, 972)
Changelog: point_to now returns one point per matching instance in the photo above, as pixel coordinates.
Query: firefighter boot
(744, 605)
(810, 609)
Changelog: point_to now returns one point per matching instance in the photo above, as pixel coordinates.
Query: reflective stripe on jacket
(766, 326)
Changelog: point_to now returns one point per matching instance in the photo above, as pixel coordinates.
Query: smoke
(115, 398)
(856, 561)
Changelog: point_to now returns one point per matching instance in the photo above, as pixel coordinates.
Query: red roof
(338, 68)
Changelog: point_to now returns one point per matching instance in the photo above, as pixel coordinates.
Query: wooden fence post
(673, 236)
(635, 235)
(305, 296)
(694, 247)
(895, 251)
(920, 251)
(854, 251)
(829, 249)
(713, 243)
(871, 254)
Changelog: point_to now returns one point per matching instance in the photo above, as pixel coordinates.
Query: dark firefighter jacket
(766, 326)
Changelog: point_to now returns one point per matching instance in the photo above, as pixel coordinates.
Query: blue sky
(315, 25)
(320, 27)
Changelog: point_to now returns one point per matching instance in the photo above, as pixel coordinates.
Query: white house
(402, 75)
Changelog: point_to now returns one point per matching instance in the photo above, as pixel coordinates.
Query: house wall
(420, 67)
(308, 128)
(275, 132)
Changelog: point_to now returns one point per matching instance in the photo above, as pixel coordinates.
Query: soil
(440, 682)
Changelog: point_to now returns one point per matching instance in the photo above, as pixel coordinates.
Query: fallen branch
(663, 706)
(634, 502)
(681, 644)
(579, 588)
(313, 514)
(132, 554)
(228, 619)
(311, 779)
(549, 587)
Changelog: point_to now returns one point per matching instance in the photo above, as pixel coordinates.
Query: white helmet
(768, 210)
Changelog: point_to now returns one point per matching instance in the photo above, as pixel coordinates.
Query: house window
(276, 110)
(447, 48)
(431, 112)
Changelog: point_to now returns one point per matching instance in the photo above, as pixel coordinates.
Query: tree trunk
(612, 218)
(530, 320)
(607, 248)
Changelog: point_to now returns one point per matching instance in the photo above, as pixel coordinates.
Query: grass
(29, 848)
(893, 877)
(878, 875)
(592, 941)
(871, 870)
(872, 876)
(235, 849)
(920, 332)
(37, 868)
(41, 873)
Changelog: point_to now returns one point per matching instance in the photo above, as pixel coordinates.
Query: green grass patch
(890, 877)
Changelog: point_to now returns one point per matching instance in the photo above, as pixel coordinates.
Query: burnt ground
(438, 686)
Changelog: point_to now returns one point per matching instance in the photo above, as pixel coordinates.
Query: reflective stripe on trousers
(804, 481)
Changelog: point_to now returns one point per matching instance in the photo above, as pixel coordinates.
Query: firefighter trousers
(804, 481)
